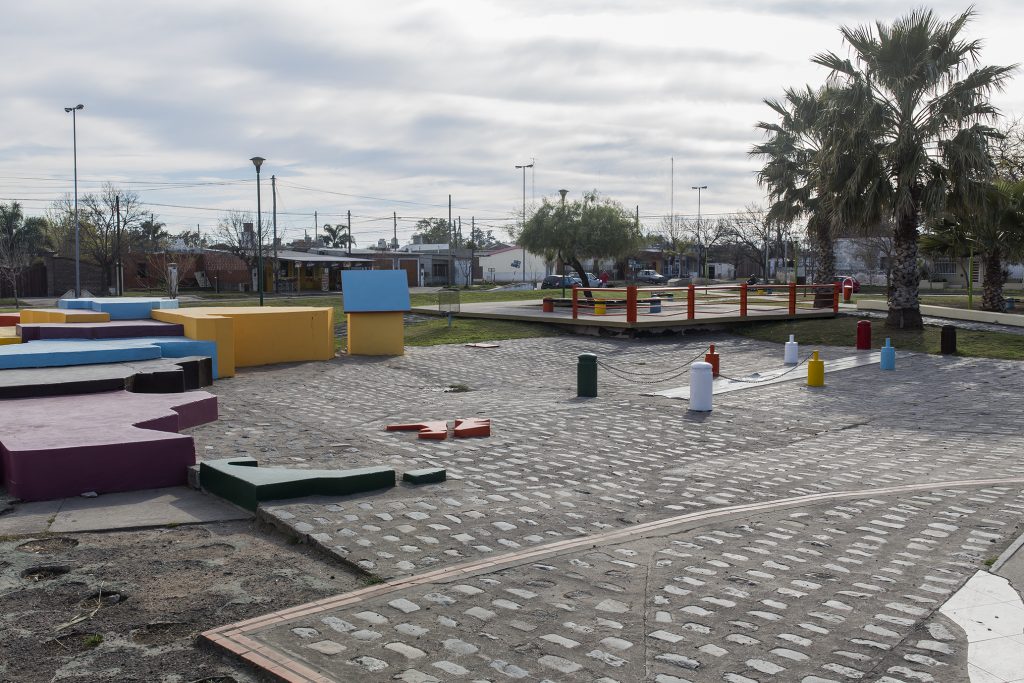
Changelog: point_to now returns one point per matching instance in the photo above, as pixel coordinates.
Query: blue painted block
(75, 304)
(121, 308)
(375, 291)
(181, 347)
(58, 353)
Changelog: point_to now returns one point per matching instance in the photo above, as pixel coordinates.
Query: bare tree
(673, 231)
(705, 234)
(20, 239)
(1008, 151)
(102, 234)
(235, 232)
(158, 271)
(752, 228)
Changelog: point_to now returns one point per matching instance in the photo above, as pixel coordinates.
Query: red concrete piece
(472, 426)
(62, 446)
(436, 429)
(9, 319)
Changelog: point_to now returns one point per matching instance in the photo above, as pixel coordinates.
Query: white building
(506, 265)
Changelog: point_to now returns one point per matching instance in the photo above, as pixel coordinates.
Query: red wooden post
(835, 298)
(743, 300)
(691, 303)
(575, 303)
(631, 304)
(792, 298)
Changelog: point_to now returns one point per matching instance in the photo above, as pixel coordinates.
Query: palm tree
(337, 236)
(921, 99)
(793, 174)
(992, 228)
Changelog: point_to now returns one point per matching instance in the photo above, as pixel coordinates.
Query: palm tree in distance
(918, 94)
(336, 236)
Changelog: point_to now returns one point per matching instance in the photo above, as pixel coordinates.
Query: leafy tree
(916, 93)
(149, 236)
(590, 227)
(433, 231)
(20, 241)
(993, 229)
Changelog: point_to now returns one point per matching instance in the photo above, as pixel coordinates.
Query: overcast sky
(390, 106)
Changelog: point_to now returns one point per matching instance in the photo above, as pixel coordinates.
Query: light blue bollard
(655, 305)
(888, 355)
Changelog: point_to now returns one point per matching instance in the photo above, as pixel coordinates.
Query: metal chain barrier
(629, 375)
(767, 379)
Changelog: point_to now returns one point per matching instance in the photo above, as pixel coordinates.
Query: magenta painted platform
(63, 446)
(117, 329)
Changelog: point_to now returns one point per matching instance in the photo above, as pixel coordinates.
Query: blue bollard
(655, 305)
(888, 355)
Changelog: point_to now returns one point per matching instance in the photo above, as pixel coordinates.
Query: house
(505, 264)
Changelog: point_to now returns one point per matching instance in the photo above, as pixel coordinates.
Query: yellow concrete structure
(376, 334)
(815, 371)
(250, 336)
(63, 315)
(9, 335)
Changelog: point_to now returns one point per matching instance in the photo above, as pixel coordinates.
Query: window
(440, 270)
(944, 267)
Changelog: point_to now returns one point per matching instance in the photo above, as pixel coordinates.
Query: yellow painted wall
(60, 315)
(9, 335)
(376, 334)
(250, 336)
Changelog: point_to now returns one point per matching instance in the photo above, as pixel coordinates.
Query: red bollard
(712, 358)
(549, 305)
(864, 335)
(847, 293)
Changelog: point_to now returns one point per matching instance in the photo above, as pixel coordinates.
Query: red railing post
(792, 298)
(631, 304)
(743, 300)
(691, 302)
(835, 297)
(575, 303)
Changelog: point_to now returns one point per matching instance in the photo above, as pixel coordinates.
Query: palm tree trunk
(992, 297)
(823, 250)
(904, 304)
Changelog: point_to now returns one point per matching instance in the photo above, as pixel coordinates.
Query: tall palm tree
(921, 97)
(336, 236)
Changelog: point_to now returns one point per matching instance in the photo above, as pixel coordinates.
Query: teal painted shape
(375, 291)
(429, 475)
(243, 482)
(120, 308)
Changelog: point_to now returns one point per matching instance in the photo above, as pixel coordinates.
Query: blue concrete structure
(120, 308)
(49, 353)
(375, 291)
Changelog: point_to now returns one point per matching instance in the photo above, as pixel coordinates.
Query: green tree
(20, 241)
(149, 236)
(337, 236)
(433, 231)
(590, 227)
(992, 229)
(915, 90)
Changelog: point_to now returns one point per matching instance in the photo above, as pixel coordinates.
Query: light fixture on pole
(563, 193)
(699, 233)
(257, 162)
(74, 144)
(524, 167)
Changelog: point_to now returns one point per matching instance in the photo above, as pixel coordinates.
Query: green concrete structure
(243, 482)
(430, 475)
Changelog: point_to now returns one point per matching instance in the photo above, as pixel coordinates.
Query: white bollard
(701, 378)
(792, 351)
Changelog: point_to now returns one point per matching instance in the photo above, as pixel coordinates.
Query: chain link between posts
(770, 378)
(631, 375)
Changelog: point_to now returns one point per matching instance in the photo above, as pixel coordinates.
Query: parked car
(559, 281)
(592, 280)
(651, 277)
(844, 280)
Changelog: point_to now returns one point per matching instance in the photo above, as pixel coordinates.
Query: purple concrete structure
(117, 329)
(63, 446)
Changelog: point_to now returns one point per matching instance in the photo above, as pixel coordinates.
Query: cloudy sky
(389, 106)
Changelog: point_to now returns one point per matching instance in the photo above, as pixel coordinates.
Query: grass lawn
(469, 330)
(842, 331)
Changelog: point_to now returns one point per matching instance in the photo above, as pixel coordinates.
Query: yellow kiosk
(375, 302)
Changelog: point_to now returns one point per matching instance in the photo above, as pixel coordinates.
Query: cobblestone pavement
(843, 590)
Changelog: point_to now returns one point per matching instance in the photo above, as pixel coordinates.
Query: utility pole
(472, 247)
(524, 167)
(349, 233)
(451, 257)
(672, 192)
(118, 284)
(273, 192)
(314, 226)
(699, 233)
(394, 241)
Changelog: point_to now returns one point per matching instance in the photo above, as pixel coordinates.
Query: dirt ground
(127, 606)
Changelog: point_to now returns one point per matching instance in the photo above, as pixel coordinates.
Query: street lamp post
(257, 162)
(74, 144)
(524, 167)
(562, 218)
(703, 267)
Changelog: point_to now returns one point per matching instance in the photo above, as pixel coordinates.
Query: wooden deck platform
(673, 316)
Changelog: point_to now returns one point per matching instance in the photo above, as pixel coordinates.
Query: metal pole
(118, 284)
(74, 145)
(704, 264)
(259, 238)
(524, 167)
(349, 252)
(451, 257)
(273, 192)
(315, 226)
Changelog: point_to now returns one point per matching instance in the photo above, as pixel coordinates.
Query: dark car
(559, 281)
(651, 277)
(844, 280)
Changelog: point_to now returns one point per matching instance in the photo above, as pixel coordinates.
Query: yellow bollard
(599, 308)
(815, 371)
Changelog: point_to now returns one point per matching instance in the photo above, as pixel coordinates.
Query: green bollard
(586, 375)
